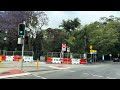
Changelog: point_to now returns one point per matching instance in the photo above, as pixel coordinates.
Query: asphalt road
(107, 70)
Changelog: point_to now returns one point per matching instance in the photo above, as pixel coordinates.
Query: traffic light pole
(22, 54)
(23, 37)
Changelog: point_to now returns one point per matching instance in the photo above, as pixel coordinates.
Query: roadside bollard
(0, 59)
(37, 64)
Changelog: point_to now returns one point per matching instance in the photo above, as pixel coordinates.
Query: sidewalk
(8, 71)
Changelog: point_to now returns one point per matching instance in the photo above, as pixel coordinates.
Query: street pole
(95, 57)
(67, 57)
(22, 49)
(22, 54)
(85, 49)
(91, 58)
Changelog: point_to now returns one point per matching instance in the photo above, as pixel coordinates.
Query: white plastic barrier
(9, 58)
(42, 58)
(75, 61)
(56, 60)
(28, 58)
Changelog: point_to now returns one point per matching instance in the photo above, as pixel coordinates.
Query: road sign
(19, 40)
(68, 49)
(91, 47)
(63, 47)
(93, 51)
(85, 56)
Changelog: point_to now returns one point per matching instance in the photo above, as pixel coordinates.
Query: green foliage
(70, 25)
(103, 35)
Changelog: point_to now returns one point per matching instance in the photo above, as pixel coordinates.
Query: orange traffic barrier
(83, 61)
(66, 60)
(3, 57)
(49, 59)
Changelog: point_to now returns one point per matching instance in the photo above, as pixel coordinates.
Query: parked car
(116, 60)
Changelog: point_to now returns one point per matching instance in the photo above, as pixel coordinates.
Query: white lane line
(110, 78)
(40, 77)
(96, 75)
(22, 74)
(86, 73)
(72, 71)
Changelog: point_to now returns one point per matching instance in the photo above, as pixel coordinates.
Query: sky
(86, 17)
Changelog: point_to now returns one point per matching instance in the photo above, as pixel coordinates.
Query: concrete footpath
(8, 69)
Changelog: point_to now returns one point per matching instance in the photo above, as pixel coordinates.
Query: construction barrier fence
(17, 56)
(65, 58)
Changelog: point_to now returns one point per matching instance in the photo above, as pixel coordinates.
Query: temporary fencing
(66, 58)
(17, 56)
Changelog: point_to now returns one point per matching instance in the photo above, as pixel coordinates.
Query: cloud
(86, 17)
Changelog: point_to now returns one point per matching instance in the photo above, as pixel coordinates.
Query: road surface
(108, 70)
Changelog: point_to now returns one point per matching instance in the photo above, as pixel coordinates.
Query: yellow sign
(93, 50)
(91, 47)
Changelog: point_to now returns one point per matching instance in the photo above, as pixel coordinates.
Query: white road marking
(14, 75)
(96, 75)
(58, 67)
(118, 73)
(72, 71)
(40, 77)
(86, 73)
(110, 78)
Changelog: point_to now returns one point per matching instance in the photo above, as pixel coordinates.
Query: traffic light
(26, 39)
(21, 29)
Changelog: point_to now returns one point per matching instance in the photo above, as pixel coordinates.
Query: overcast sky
(56, 17)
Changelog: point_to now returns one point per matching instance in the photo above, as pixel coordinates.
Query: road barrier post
(37, 64)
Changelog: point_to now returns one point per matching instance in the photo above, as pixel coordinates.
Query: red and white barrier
(17, 58)
(49, 59)
(75, 61)
(66, 60)
(9, 58)
(28, 59)
(3, 57)
(56, 60)
(83, 61)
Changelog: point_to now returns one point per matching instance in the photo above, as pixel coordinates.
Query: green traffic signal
(21, 29)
